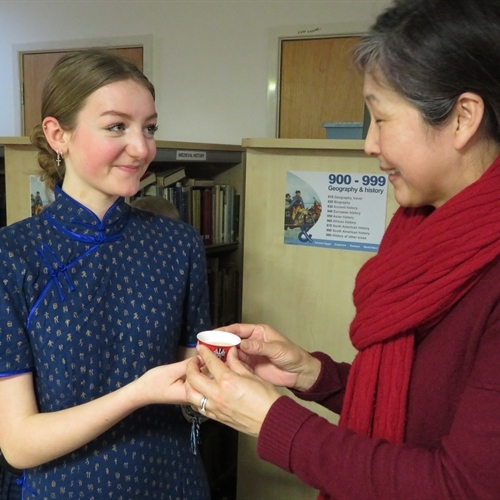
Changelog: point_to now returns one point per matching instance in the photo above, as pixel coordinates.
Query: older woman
(420, 404)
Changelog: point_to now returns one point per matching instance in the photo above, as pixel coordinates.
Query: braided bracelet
(196, 419)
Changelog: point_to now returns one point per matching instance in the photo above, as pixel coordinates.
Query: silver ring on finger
(203, 404)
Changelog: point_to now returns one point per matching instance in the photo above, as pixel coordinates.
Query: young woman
(101, 303)
(420, 405)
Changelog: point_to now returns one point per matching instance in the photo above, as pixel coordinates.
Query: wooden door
(318, 83)
(36, 66)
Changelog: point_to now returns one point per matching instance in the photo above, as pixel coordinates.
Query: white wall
(210, 57)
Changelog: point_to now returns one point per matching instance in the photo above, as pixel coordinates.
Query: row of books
(213, 209)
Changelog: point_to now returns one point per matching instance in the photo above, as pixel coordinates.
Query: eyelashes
(116, 127)
(121, 127)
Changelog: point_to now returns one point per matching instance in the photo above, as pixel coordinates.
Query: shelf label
(191, 155)
(335, 210)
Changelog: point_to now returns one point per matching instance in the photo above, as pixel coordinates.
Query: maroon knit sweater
(452, 440)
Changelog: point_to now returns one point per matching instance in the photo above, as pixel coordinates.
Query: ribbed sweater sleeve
(329, 388)
(286, 418)
(277, 433)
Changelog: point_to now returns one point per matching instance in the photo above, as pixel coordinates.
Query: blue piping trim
(10, 374)
(100, 227)
(22, 482)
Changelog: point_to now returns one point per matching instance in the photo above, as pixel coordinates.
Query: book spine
(236, 217)
(207, 216)
(186, 214)
(230, 214)
(177, 191)
(216, 215)
(198, 182)
(196, 209)
(225, 214)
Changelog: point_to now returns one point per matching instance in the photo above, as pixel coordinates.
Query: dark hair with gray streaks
(432, 51)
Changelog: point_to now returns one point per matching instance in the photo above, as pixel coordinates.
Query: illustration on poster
(302, 208)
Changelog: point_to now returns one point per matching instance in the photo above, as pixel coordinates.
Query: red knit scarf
(427, 261)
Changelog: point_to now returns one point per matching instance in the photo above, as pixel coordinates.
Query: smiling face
(111, 146)
(424, 165)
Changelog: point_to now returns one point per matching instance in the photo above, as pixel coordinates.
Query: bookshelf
(225, 165)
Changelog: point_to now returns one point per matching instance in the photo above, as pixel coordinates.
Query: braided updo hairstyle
(72, 79)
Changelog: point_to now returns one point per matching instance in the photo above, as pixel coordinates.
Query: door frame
(144, 41)
(276, 36)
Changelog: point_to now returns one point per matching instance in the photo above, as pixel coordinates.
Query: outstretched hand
(235, 396)
(275, 358)
(163, 384)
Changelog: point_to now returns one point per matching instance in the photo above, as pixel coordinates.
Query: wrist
(136, 394)
(309, 375)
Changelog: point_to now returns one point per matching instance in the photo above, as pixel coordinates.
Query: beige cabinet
(304, 292)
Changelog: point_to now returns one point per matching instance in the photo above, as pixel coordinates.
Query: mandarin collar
(81, 223)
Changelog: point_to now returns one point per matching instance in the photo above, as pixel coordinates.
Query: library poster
(40, 195)
(335, 210)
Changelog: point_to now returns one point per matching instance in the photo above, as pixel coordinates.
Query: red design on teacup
(219, 342)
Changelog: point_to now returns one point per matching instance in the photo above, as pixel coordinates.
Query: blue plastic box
(344, 130)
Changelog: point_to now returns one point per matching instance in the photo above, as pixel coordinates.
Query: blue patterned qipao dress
(89, 306)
